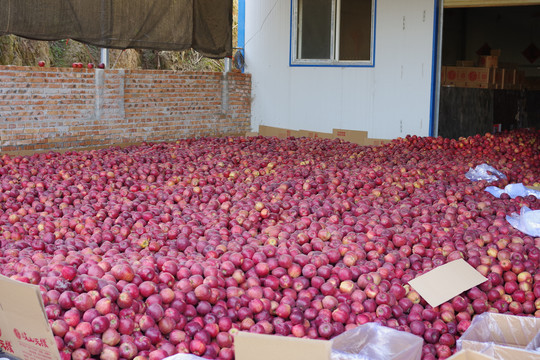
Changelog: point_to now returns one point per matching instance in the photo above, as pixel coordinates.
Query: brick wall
(64, 108)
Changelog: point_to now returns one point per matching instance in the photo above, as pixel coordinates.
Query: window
(333, 32)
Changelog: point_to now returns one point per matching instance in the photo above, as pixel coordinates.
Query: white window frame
(334, 35)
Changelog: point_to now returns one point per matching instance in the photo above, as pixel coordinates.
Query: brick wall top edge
(48, 69)
(240, 75)
(142, 71)
(116, 71)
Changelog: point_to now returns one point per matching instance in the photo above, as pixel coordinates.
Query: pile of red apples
(150, 250)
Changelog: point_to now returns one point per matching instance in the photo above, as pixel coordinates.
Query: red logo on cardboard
(451, 74)
(17, 334)
(473, 75)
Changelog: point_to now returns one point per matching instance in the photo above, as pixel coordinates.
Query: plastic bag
(484, 172)
(5, 356)
(184, 357)
(493, 334)
(528, 221)
(513, 190)
(375, 342)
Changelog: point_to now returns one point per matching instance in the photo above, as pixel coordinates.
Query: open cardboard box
(537, 188)
(368, 341)
(503, 336)
(469, 355)
(24, 328)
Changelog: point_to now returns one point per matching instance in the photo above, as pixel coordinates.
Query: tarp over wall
(204, 25)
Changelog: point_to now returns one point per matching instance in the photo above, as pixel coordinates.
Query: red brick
(39, 105)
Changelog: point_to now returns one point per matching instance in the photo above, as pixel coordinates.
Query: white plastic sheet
(513, 190)
(494, 334)
(184, 357)
(484, 172)
(528, 221)
(372, 341)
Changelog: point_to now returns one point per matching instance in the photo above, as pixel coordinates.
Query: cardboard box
(249, 346)
(464, 63)
(24, 328)
(503, 336)
(315, 134)
(488, 61)
(368, 341)
(377, 142)
(520, 79)
(495, 52)
(443, 75)
(251, 134)
(478, 77)
(463, 74)
(277, 132)
(354, 136)
(510, 353)
(446, 281)
(510, 76)
(452, 76)
(501, 78)
(469, 355)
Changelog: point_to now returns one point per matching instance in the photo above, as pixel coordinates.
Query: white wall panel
(388, 100)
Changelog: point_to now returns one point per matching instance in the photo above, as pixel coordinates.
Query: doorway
(490, 68)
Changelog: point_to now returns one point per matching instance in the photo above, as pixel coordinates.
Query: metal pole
(438, 72)
(227, 64)
(105, 57)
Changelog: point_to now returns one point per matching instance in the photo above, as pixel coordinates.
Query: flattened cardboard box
(377, 142)
(446, 281)
(354, 136)
(249, 346)
(315, 134)
(277, 132)
(24, 328)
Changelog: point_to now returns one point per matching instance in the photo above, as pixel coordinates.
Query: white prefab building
(370, 65)
(389, 95)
